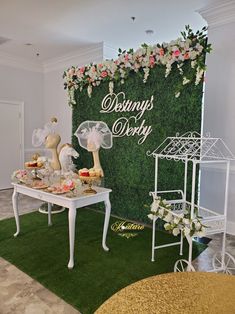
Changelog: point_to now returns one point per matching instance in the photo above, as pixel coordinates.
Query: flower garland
(193, 47)
(175, 223)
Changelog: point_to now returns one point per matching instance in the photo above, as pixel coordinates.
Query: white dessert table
(71, 203)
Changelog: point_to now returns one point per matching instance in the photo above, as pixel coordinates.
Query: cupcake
(84, 172)
(92, 172)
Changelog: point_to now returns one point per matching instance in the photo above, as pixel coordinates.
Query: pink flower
(151, 60)
(186, 56)
(71, 71)
(82, 70)
(100, 65)
(136, 65)
(127, 57)
(103, 74)
(176, 53)
(161, 52)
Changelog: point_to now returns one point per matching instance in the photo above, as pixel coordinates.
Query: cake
(84, 172)
(29, 164)
(34, 164)
(92, 172)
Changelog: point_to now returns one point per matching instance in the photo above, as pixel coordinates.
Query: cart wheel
(182, 265)
(229, 263)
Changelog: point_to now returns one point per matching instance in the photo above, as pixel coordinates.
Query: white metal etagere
(192, 147)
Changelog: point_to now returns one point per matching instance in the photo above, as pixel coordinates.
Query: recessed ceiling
(58, 27)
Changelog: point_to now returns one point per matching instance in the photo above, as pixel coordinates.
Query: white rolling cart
(197, 149)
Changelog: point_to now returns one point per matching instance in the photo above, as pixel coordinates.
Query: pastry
(84, 172)
(39, 164)
(35, 157)
(31, 164)
(92, 172)
(34, 164)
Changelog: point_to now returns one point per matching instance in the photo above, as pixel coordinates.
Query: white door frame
(20, 104)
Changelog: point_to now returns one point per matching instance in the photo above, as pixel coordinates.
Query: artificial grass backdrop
(42, 252)
(128, 170)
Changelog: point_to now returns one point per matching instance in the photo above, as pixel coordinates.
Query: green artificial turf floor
(42, 252)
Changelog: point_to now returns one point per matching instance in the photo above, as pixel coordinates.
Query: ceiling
(58, 27)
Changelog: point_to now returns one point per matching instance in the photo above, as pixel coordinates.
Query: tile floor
(20, 294)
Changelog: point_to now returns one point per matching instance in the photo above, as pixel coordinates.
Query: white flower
(167, 226)
(199, 47)
(155, 205)
(186, 221)
(185, 80)
(111, 85)
(186, 231)
(176, 231)
(168, 217)
(146, 74)
(193, 55)
(177, 94)
(164, 202)
(200, 234)
(199, 75)
(176, 220)
(156, 202)
(161, 211)
(168, 69)
(198, 225)
(150, 216)
(193, 64)
(89, 90)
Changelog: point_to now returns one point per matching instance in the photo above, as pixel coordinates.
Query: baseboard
(231, 227)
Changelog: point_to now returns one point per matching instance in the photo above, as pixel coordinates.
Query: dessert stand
(34, 172)
(89, 181)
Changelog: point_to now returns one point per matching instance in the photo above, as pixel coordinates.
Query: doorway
(11, 140)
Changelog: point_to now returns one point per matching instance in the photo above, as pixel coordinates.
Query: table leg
(106, 223)
(72, 219)
(16, 212)
(49, 214)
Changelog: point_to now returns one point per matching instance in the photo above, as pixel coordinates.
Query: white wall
(219, 114)
(55, 97)
(40, 87)
(24, 85)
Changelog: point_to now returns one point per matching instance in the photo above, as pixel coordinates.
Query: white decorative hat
(39, 135)
(94, 134)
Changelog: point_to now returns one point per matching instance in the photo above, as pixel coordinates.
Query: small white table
(71, 203)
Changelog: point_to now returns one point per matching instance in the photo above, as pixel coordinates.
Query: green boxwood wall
(129, 172)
